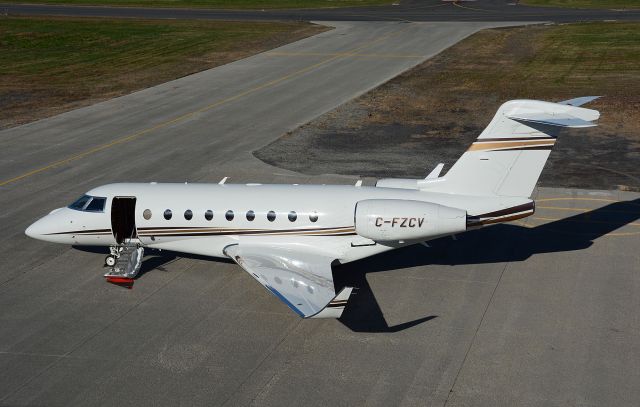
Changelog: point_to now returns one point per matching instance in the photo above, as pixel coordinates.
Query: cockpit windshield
(87, 203)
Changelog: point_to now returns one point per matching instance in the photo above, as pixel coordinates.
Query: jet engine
(398, 219)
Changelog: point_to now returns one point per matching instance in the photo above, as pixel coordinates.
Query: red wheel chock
(121, 281)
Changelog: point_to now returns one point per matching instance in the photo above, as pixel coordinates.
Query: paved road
(416, 10)
(537, 313)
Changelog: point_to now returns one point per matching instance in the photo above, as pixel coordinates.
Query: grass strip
(222, 4)
(48, 65)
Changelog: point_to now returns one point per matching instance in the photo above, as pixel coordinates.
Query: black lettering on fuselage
(401, 222)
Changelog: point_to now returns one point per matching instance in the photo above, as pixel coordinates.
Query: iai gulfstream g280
(287, 236)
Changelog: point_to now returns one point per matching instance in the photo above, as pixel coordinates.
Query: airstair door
(123, 221)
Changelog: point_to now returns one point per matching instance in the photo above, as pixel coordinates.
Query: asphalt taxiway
(541, 312)
(407, 10)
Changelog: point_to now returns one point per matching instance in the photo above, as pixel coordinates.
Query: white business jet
(287, 236)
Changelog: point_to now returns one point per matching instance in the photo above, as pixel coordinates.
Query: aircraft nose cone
(36, 230)
(52, 228)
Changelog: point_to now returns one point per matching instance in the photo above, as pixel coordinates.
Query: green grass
(600, 57)
(222, 4)
(536, 62)
(585, 3)
(542, 62)
(47, 62)
(60, 48)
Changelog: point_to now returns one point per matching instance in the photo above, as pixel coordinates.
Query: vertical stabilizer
(509, 155)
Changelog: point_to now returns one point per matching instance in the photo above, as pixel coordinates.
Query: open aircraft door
(123, 219)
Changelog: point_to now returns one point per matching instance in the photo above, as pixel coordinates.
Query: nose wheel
(112, 257)
(110, 260)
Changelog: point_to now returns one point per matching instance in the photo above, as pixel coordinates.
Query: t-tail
(508, 157)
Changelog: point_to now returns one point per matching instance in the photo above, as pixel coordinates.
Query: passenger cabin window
(293, 216)
(188, 214)
(146, 214)
(251, 215)
(168, 214)
(229, 215)
(208, 215)
(271, 216)
(313, 217)
(89, 203)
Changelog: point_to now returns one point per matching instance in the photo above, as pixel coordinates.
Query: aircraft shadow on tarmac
(496, 244)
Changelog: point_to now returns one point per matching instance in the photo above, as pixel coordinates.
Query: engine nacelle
(398, 219)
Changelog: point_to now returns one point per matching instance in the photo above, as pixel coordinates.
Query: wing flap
(299, 277)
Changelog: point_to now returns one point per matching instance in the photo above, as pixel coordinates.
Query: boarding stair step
(127, 265)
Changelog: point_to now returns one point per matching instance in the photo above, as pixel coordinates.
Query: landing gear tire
(110, 261)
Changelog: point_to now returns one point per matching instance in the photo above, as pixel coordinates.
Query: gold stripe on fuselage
(510, 144)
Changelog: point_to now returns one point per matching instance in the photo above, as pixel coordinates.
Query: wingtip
(335, 307)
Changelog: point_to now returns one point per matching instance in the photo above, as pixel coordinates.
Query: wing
(299, 277)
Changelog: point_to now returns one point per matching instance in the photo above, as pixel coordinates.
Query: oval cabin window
(188, 214)
(251, 215)
(293, 216)
(271, 216)
(208, 215)
(146, 214)
(168, 214)
(229, 215)
(313, 217)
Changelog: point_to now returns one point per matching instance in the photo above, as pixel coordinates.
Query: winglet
(223, 180)
(335, 307)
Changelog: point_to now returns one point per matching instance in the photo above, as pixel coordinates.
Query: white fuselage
(314, 215)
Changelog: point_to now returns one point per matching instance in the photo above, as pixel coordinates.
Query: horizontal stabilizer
(562, 120)
(579, 101)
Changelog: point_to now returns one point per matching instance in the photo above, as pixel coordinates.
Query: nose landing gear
(112, 257)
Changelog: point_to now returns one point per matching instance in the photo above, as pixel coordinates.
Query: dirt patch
(431, 113)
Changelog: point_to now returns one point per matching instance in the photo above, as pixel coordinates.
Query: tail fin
(508, 157)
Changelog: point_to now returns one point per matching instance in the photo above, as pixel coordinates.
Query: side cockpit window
(89, 203)
(96, 204)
